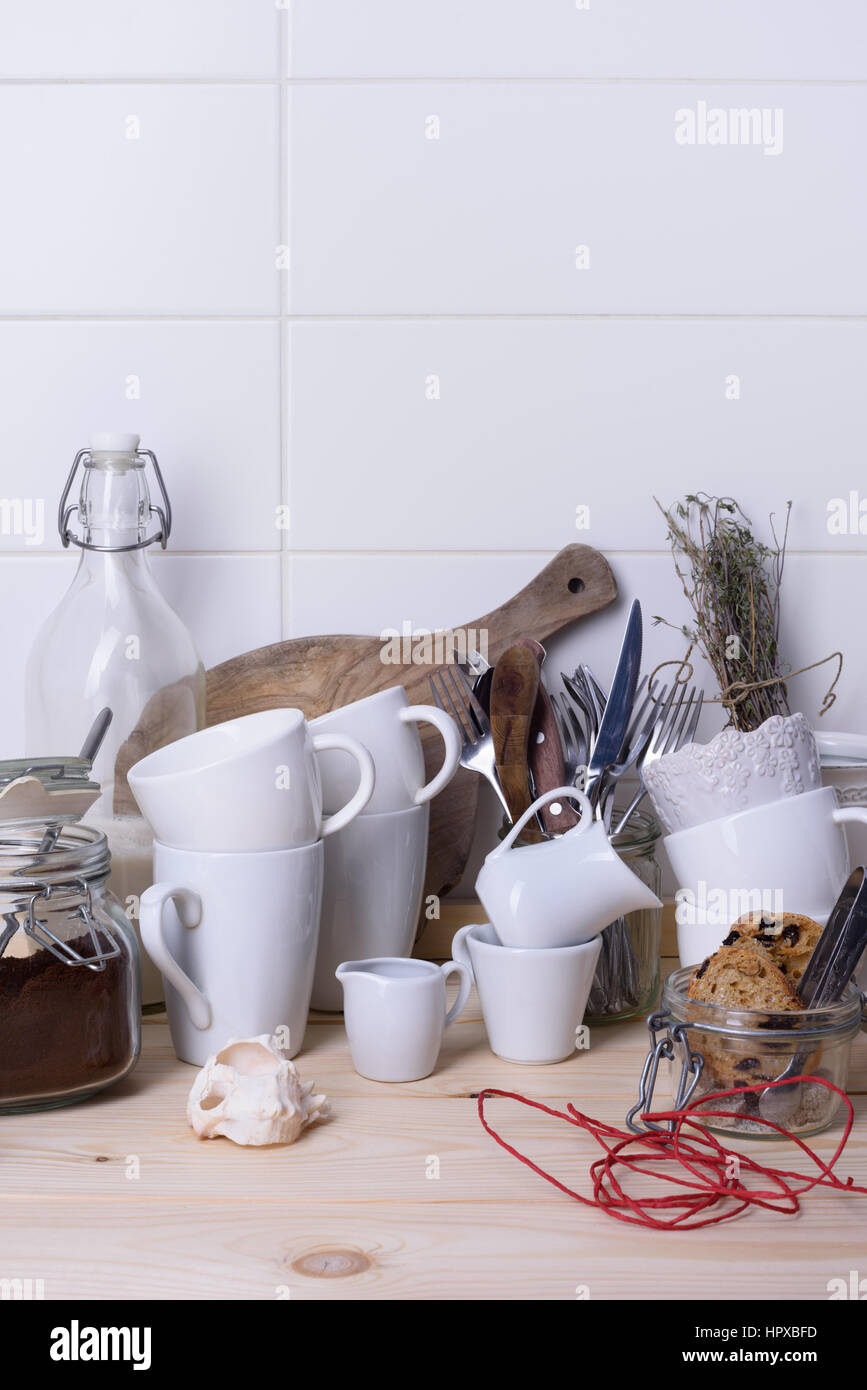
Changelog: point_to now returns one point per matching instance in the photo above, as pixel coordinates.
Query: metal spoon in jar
(89, 750)
(829, 970)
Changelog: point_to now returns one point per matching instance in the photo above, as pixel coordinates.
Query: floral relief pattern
(735, 771)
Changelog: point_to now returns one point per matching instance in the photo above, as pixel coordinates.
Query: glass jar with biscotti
(752, 1047)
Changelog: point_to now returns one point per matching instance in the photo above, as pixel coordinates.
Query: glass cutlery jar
(69, 970)
(627, 976)
(745, 1047)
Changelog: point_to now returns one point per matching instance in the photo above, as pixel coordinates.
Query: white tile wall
(434, 385)
(486, 218)
(204, 396)
(557, 408)
(580, 38)
(195, 39)
(180, 219)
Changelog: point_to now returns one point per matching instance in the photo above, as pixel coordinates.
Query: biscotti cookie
(743, 976)
(788, 937)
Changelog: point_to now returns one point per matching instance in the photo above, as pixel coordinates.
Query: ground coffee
(63, 1028)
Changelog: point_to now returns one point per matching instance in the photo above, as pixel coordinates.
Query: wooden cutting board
(317, 674)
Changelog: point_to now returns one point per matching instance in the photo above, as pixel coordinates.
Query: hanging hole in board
(576, 586)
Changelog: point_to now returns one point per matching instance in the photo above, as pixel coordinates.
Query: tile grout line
(284, 23)
(484, 80)
(421, 316)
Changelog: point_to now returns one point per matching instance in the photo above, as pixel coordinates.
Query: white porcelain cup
(249, 784)
(533, 1002)
(395, 1013)
(374, 879)
(734, 772)
(386, 723)
(560, 892)
(787, 856)
(235, 938)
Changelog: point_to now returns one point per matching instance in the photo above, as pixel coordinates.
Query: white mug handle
(844, 813)
(460, 951)
(188, 906)
(364, 792)
(557, 794)
(453, 967)
(448, 729)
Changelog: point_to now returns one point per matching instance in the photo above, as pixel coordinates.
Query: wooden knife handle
(514, 688)
(546, 765)
(545, 754)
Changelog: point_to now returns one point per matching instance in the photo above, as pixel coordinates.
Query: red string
(713, 1181)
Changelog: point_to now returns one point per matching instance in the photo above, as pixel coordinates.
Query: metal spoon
(89, 750)
(829, 970)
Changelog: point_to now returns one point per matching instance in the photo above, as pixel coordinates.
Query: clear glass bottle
(114, 640)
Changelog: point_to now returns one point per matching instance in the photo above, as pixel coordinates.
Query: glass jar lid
(80, 853)
(45, 791)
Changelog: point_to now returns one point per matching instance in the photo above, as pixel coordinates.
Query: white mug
(250, 784)
(395, 1013)
(533, 1002)
(235, 937)
(386, 724)
(374, 879)
(562, 891)
(786, 856)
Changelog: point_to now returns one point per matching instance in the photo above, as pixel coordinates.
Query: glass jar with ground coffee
(69, 970)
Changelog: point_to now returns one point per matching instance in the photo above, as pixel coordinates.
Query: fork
(572, 737)
(638, 736)
(675, 728)
(477, 750)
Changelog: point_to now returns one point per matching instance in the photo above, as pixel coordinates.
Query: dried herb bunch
(732, 583)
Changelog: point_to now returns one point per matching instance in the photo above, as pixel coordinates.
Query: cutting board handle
(576, 582)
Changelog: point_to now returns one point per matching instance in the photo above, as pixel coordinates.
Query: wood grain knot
(331, 1264)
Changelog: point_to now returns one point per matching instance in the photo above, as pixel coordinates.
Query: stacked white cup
(751, 829)
(240, 828)
(375, 866)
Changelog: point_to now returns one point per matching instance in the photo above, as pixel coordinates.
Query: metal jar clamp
(42, 934)
(162, 513)
(664, 1049)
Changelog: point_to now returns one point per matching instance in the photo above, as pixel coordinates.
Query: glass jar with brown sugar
(69, 970)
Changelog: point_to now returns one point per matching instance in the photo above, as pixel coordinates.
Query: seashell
(250, 1093)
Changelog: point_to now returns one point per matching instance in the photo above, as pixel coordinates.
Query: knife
(514, 687)
(545, 755)
(618, 709)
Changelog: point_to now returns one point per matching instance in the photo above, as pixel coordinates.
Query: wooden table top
(116, 1198)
